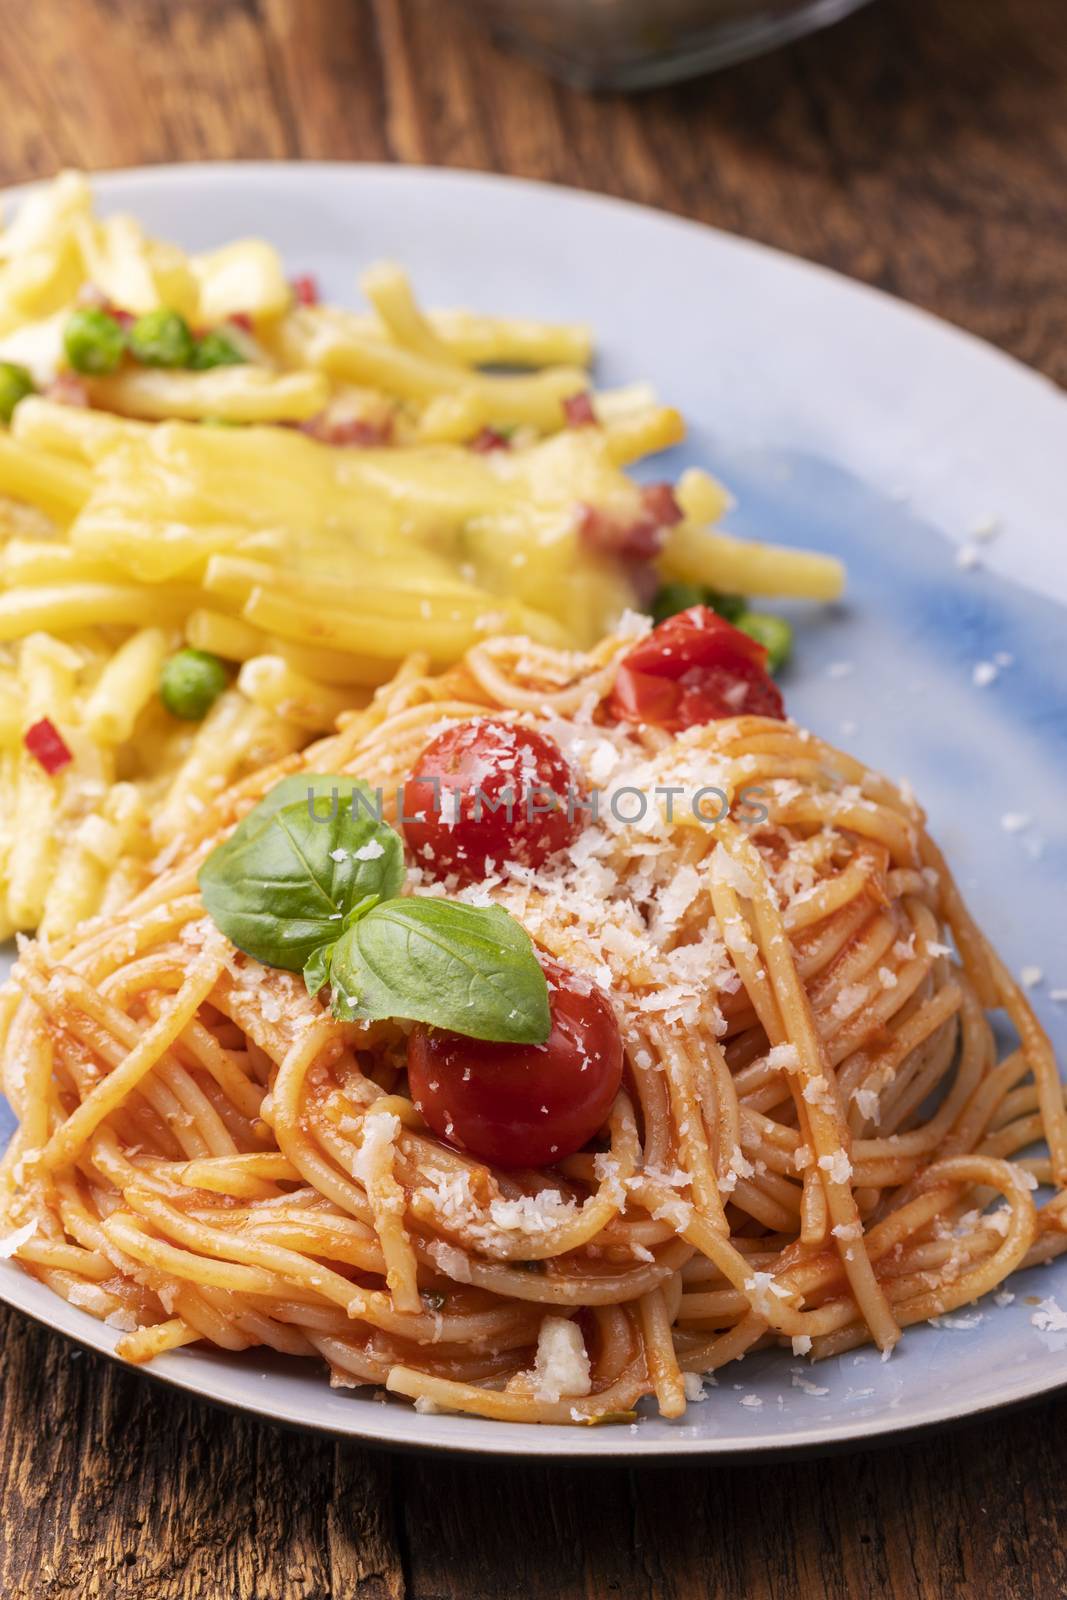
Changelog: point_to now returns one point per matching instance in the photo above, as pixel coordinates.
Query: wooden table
(921, 146)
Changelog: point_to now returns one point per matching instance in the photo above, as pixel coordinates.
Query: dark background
(920, 146)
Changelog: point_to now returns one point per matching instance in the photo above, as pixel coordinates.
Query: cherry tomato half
(486, 792)
(523, 1105)
(694, 668)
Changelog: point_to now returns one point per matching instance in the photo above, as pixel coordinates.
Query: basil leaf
(281, 886)
(471, 969)
(318, 964)
(317, 967)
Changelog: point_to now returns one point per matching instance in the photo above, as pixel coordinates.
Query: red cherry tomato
(486, 792)
(694, 668)
(523, 1105)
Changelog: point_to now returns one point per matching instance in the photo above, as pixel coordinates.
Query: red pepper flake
(489, 439)
(47, 745)
(305, 290)
(240, 319)
(578, 410)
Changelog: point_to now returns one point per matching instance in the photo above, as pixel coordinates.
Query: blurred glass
(636, 44)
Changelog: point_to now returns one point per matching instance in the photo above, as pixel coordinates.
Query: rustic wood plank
(970, 1514)
(113, 1484)
(921, 147)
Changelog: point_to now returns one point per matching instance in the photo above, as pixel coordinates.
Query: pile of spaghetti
(817, 1141)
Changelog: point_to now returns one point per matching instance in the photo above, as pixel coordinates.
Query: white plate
(843, 420)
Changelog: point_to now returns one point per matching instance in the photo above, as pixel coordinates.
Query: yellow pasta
(46, 673)
(220, 635)
(227, 394)
(125, 686)
(234, 733)
(322, 494)
(745, 567)
(60, 608)
(273, 683)
(58, 487)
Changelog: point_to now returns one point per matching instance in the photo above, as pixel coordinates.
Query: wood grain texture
(922, 147)
(113, 1487)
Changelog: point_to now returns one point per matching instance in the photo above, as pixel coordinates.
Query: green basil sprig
(444, 962)
(310, 881)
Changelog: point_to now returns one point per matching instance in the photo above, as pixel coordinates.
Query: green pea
(190, 683)
(15, 385)
(773, 633)
(215, 350)
(161, 338)
(94, 341)
(670, 598)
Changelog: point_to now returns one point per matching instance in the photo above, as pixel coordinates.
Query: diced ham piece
(639, 539)
(489, 439)
(578, 410)
(357, 431)
(660, 504)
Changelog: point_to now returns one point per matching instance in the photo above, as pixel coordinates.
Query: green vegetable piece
(727, 606)
(15, 385)
(471, 969)
(215, 350)
(283, 884)
(670, 598)
(773, 633)
(161, 338)
(190, 683)
(94, 341)
(317, 967)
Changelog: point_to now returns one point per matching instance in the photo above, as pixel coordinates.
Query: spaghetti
(817, 1142)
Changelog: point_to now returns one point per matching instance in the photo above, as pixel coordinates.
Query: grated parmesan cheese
(562, 1364)
(380, 1128)
(1050, 1318)
(806, 1385)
